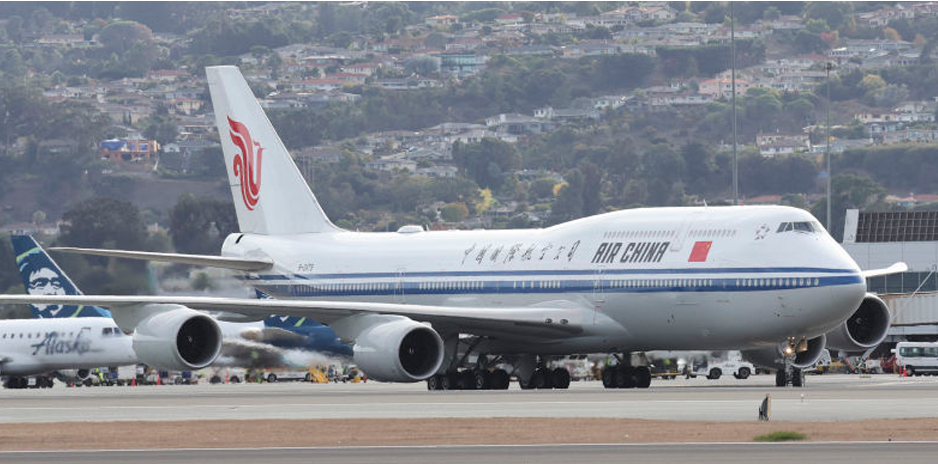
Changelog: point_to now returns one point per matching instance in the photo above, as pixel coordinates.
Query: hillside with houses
(463, 115)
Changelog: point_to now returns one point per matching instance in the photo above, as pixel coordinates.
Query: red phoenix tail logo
(247, 165)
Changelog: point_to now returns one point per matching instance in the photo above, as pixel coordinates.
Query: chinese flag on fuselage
(699, 253)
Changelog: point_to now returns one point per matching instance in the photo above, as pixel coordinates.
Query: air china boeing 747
(421, 305)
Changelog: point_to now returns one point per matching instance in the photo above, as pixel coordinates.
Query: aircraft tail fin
(42, 276)
(270, 195)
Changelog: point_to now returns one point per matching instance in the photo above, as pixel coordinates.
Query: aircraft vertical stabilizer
(270, 195)
(42, 276)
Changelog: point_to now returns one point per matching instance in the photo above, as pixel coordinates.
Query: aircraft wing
(547, 320)
(237, 264)
(894, 269)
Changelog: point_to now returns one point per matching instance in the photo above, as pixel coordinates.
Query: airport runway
(828, 453)
(826, 398)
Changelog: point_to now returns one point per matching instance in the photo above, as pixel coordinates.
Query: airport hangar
(876, 240)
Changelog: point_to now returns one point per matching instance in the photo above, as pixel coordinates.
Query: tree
(100, 222)
(849, 191)
(454, 212)
(835, 14)
(120, 36)
(485, 162)
(200, 225)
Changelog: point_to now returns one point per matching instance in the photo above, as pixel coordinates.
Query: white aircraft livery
(58, 339)
(468, 309)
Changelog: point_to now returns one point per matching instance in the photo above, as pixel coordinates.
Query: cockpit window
(805, 227)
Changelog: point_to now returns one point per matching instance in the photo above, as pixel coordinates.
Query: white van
(917, 357)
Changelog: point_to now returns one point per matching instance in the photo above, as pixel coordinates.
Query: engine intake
(773, 358)
(177, 339)
(398, 350)
(864, 329)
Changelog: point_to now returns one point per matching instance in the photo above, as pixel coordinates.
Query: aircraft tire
(642, 377)
(625, 377)
(499, 379)
(609, 377)
(560, 377)
(446, 382)
(781, 379)
(433, 383)
(541, 379)
(480, 379)
(797, 378)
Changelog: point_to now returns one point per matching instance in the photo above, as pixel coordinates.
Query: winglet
(896, 268)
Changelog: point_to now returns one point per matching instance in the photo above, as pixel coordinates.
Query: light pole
(828, 68)
(733, 90)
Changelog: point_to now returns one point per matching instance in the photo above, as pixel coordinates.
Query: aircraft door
(399, 286)
(678, 242)
(599, 295)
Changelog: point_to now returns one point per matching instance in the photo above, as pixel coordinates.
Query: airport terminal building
(879, 239)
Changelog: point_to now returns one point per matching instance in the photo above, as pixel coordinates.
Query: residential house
(589, 48)
(566, 115)
(461, 64)
(409, 83)
(438, 172)
(442, 20)
(392, 163)
(364, 69)
(919, 135)
(722, 87)
(517, 124)
(167, 75)
(185, 105)
(773, 144)
(136, 150)
(509, 19)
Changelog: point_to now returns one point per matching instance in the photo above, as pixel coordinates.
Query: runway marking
(482, 446)
(398, 405)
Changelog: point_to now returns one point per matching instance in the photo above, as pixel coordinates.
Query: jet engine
(399, 350)
(773, 357)
(864, 329)
(177, 339)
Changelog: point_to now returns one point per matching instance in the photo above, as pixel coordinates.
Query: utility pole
(828, 67)
(733, 89)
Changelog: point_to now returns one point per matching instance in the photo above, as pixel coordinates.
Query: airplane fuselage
(37, 346)
(662, 278)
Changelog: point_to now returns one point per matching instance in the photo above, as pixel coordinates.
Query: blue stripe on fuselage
(649, 284)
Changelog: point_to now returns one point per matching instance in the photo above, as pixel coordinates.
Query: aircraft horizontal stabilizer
(534, 321)
(897, 268)
(236, 264)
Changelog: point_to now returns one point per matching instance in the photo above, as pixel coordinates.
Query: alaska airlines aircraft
(420, 305)
(60, 337)
(244, 345)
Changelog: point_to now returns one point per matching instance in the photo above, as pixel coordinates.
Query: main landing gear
(470, 379)
(624, 375)
(544, 378)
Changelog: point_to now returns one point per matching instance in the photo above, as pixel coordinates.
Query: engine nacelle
(398, 350)
(864, 329)
(773, 357)
(177, 339)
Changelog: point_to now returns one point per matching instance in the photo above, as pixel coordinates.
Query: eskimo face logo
(247, 165)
